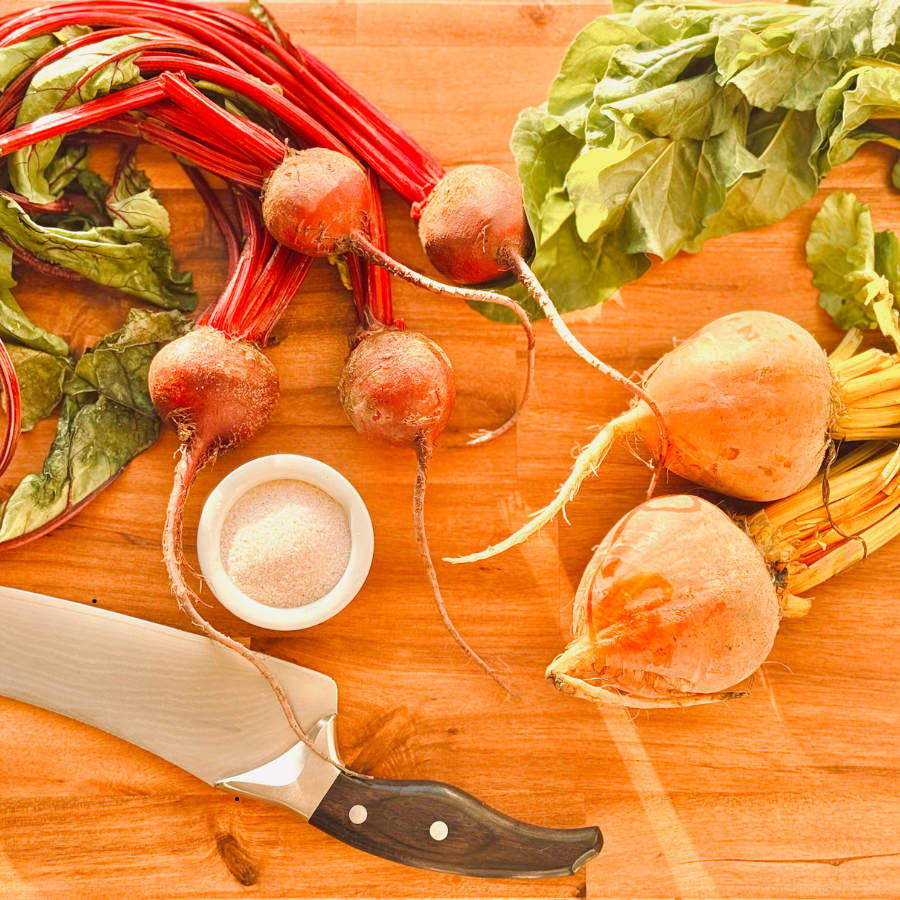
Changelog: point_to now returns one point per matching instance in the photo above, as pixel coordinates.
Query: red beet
(398, 387)
(474, 223)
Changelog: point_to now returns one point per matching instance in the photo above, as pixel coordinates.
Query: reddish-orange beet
(217, 391)
(398, 387)
(473, 223)
(315, 201)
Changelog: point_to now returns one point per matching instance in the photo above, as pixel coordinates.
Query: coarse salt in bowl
(244, 492)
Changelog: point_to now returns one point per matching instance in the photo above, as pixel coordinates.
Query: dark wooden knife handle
(432, 825)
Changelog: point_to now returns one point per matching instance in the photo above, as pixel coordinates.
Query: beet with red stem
(398, 387)
(265, 150)
(219, 391)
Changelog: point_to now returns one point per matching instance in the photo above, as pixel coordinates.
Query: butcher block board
(791, 793)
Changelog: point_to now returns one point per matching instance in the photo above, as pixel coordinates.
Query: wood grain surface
(791, 793)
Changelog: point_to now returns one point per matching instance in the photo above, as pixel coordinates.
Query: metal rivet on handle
(358, 814)
(439, 830)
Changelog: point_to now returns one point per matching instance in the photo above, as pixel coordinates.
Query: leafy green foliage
(135, 260)
(855, 269)
(675, 121)
(69, 81)
(106, 420)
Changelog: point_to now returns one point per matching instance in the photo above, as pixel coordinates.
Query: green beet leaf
(15, 326)
(841, 253)
(137, 261)
(41, 379)
(696, 108)
(49, 91)
(859, 96)
(843, 29)
(633, 71)
(768, 74)
(781, 142)
(585, 63)
(106, 420)
(16, 58)
(675, 121)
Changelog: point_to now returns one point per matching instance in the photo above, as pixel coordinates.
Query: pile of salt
(285, 543)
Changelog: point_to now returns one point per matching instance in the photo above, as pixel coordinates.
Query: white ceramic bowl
(270, 468)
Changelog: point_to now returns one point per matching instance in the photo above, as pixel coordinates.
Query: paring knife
(209, 711)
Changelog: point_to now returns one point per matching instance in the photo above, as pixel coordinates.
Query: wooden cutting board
(791, 793)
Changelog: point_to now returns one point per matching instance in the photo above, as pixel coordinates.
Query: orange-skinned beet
(758, 432)
(676, 607)
(748, 403)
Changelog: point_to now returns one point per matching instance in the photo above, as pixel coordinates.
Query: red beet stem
(10, 382)
(221, 164)
(223, 221)
(264, 281)
(60, 123)
(39, 265)
(220, 314)
(29, 206)
(306, 128)
(163, 43)
(359, 281)
(378, 281)
(252, 139)
(406, 165)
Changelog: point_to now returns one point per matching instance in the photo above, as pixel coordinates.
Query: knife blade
(209, 711)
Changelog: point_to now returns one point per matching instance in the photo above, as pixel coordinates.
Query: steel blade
(176, 694)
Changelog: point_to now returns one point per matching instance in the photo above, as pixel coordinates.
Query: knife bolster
(298, 779)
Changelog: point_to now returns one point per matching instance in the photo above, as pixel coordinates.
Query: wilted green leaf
(96, 434)
(136, 261)
(840, 252)
(16, 58)
(117, 365)
(41, 378)
(49, 91)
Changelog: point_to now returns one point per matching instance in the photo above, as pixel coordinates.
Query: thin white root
(375, 255)
(586, 464)
(540, 296)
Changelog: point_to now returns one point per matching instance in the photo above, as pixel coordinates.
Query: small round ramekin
(272, 468)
